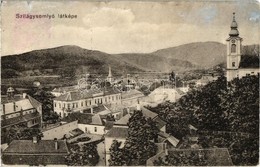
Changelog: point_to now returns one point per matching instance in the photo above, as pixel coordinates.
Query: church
(239, 65)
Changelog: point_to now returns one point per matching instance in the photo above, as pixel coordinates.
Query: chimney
(35, 139)
(24, 95)
(56, 144)
(91, 110)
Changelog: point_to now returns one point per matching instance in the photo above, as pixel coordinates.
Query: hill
(65, 57)
(203, 54)
(76, 60)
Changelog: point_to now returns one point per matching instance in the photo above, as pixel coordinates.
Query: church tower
(109, 77)
(233, 51)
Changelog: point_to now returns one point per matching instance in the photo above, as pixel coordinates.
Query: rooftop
(118, 132)
(19, 103)
(19, 119)
(82, 118)
(133, 93)
(78, 95)
(41, 147)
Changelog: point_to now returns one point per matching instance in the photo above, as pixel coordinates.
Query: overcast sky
(123, 27)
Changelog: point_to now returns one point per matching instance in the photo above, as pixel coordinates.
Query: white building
(236, 67)
(79, 101)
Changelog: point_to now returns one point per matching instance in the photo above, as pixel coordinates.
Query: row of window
(18, 114)
(88, 102)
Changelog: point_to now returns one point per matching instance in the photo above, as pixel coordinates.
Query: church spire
(234, 32)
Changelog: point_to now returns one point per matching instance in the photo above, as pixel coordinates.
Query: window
(68, 105)
(55, 104)
(233, 64)
(233, 48)
(86, 102)
(59, 105)
(95, 129)
(81, 104)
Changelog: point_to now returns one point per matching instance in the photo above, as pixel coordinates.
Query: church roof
(233, 31)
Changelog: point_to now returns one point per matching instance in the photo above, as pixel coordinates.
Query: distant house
(129, 98)
(119, 131)
(28, 152)
(62, 90)
(88, 123)
(212, 156)
(205, 80)
(239, 65)
(20, 110)
(146, 113)
(79, 101)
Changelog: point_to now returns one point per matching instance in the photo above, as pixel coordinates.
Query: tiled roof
(65, 89)
(41, 147)
(109, 125)
(174, 141)
(78, 95)
(159, 122)
(117, 132)
(82, 118)
(148, 114)
(34, 102)
(23, 104)
(123, 121)
(96, 120)
(133, 93)
(19, 119)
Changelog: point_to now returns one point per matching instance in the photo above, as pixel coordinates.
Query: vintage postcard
(130, 83)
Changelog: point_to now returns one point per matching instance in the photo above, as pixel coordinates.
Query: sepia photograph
(130, 83)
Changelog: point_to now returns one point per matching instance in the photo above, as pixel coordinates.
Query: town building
(205, 79)
(63, 90)
(81, 101)
(119, 130)
(236, 66)
(35, 152)
(20, 110)
(129, 98)
(89, 123)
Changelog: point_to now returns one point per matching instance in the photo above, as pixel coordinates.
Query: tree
(117, 157)
(46, 98)
(138, 146)
(85, 154)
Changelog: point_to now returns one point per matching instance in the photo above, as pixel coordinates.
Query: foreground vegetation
(226, 115)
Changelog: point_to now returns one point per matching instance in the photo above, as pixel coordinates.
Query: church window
(233, 64)
(233, 48)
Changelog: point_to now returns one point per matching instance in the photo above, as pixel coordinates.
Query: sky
(125, 26)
